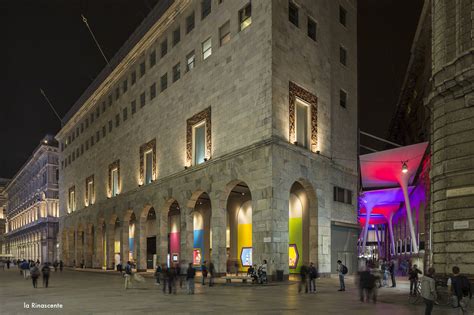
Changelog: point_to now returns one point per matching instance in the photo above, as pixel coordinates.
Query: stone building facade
(437, 105)
(451, 102)
(33, 205)
(3, 213)
(222, 132)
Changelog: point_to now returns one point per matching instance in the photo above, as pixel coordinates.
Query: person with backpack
(428, 290)
(128, 275)
(157, 274)
(413, 277)
(342, 270)
(35, 273)
(190, 274)
(313, 274)
(460, 289)
(45, 270)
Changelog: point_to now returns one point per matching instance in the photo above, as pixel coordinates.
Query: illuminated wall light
(404, 167)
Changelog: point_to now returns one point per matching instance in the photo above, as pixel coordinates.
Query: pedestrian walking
(55, 265)
(172, 279)
(61, 265)
(263, 270)
(413, 277)
(45, 270)
(428, 290)
(35, 273)
(190, 274)
(8, 263)
(157, 274)
(313, 274)
(391, 268)
(212, 272)
(204, 272)
(165, 277)
(303, 279)
(461, 292)
(128, 275)
(342, 271)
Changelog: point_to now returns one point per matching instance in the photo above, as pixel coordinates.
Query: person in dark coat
(190, 274)
(45, 270)
(303, 279)
(35, 273)
(391, 268)
(61, 265)
(413, 277)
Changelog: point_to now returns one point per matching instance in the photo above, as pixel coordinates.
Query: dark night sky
(46, 44)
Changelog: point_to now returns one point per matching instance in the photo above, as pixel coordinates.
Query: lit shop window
(206, 49)
(302, 123)
(199, 143)
(245, 16)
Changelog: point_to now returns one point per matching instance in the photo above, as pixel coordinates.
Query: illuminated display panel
(246, 256)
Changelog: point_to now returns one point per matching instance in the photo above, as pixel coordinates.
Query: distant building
(3, 214)
(223, 131)
(33, 206)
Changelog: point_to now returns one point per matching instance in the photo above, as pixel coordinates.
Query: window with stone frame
(152, 58)
(117, 93)
(110, 125)
(190, 22)
(71, 199)
(190, 61)
(104, 107)
(142, 69)
(293, 13)
(133, 77)
(312, 27)
(302, 103)
(198, 137)
(110, 100)
(205, 8)
(114, 179)
(90, 192)
(125, 113)
(176, 36)
(148, 162)
(176, 72)
(342, 98)
(133, 106)
(164, 82)
(342, 56)
(206, 48)
(164, 47)
(245, 16)
(152, 91)
(104, 131)
(124, 86)
(142, 99)
(117, 120)
(342, 15)
(224, 33)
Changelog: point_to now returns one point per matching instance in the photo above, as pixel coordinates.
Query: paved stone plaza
(84, 292)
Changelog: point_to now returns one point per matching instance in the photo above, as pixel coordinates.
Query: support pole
(368, 209)
(404, 185)
(379, 247)
(390, 228)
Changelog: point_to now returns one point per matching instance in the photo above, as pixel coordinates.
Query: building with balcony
(32, 208)
(222, 131)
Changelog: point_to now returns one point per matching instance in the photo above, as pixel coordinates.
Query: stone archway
(239, 228)
(201, 211)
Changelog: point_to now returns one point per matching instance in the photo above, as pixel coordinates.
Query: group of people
(308, 275)
(174, 275)
(34, 269)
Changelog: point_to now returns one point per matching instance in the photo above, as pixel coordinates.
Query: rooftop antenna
(51, 105)
(95, 40)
